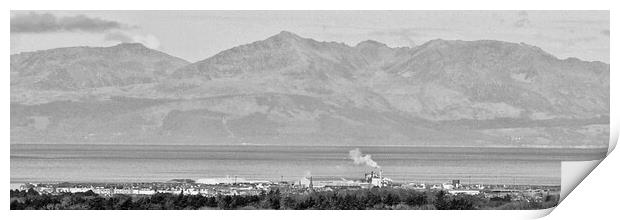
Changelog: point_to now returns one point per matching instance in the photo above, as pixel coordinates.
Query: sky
(197, 35)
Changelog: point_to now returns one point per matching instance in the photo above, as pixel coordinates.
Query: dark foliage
(274, 199)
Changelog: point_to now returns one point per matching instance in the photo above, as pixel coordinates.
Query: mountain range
(291, 90)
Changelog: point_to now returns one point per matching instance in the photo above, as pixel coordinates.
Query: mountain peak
(286, 35)
(131, 46)
(495, 45)
(436, 42)
(75, 68)
(333, 93)
(370, 43)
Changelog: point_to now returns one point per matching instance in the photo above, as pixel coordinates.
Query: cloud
(605, 32)
(46, 22)
(147, 40)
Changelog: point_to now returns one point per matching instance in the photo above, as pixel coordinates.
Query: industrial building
(377, 179)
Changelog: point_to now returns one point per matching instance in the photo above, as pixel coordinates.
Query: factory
(370, 180)
(376, 179)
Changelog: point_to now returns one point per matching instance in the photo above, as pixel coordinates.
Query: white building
(465, 192)
(447, 186)
(144, 192)
(377, 179)
(79, 189)
(123, 191)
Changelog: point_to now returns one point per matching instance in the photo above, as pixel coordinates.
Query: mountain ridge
(287, 89)
(88, 67)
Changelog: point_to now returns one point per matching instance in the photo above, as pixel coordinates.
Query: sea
(37, 163)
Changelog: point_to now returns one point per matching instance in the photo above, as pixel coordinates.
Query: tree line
(274, 199)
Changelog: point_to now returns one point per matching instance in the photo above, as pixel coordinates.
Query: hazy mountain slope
(284, 54)
(492, 79)
(91, 67)
(292, 90)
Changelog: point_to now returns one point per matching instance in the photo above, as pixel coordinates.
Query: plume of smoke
(306, 178)
(307, 174)
(359, 159)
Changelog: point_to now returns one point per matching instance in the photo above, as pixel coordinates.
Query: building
(447, 186)
(464, 192)
(79, 189)
(125, 191)
(456, 183)
(376, 179)
(145, 192)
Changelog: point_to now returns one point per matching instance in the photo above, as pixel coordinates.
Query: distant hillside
(91, 67)
(284, 54)
(293, 90)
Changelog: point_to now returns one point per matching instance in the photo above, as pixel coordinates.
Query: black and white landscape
(304, 109)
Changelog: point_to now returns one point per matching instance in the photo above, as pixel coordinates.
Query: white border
(312, 5)
(586, 202)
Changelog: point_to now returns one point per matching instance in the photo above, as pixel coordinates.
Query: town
(233, 186)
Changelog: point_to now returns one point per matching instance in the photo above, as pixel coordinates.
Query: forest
(376, 198)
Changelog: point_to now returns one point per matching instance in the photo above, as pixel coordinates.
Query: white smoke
(358, 158)
(307, 174)
(305, 180)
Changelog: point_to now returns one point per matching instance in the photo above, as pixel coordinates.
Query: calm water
(126, 163)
